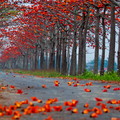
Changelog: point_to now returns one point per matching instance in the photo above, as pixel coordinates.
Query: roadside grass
(108, 76)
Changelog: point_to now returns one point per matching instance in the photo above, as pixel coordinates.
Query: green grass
(111, 76)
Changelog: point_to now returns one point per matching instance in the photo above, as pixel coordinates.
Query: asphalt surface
(32, 86)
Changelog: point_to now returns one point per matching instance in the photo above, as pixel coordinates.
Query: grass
(108, 76)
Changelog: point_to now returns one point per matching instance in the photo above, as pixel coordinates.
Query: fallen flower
(34, 99)
(49, 118)
(19, 91)
(57, 108)
(94, 115)
(98, 99)
(86, 105)
(87, 90)
(1, 114)
(3, 88)
(75, 110)
(69, 108)
(12, 86)
(105, 90)
(44, 86)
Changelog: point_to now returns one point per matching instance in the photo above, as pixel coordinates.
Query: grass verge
(108, 76)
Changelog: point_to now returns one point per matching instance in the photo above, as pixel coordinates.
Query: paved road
(32, 86)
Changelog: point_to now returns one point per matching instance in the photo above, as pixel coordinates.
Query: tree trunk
(63, 70)
(118, 72)
(36, 57)
(103, 47)
(23, 62)
(112, 40)
(31, 59)
(96, 44)
(73, 59)
(42, 58)
(58, 53)
(84, 42)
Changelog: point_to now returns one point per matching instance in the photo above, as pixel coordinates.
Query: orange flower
(90, 83)
(1, 114)
(86, 105)
(3, 88)
(12, 86)
(56, 82)
(75, 110)
(39, 101)
(114, 101)
(44, 86)
(49, 118)
(57, 108)
(87, 90)
(74, 102)
(106, 110)
(34, 99)
(47, 107)
(82, 85)
(85, 111)
(69, 83)
(19, 91)
(94, 115)
(15, 117)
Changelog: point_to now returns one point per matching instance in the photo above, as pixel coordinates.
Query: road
(32, 86)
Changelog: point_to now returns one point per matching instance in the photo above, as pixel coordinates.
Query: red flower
(57, 108)
(34, 99)
(98, 99)
(105, 90)
(87, 90)
(8, 112)
(19, 91)
(75, 85)
(12, 86)
(69, 108)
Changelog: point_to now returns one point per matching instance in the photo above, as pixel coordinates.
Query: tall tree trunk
(84, 41)
(52, 50)
(58, 53)
(63, 70)
(23, 62)
(80, 57)
(96, 44)
(112, 40)
(31, 59)
(73, 59)
(26, 61)
(42, 58)
(118, 72)
(36, 57)
(103, 43)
